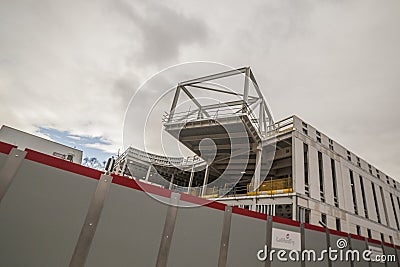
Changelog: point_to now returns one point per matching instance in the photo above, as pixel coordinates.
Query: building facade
(25, 140)
(312, 179)
(334, 186)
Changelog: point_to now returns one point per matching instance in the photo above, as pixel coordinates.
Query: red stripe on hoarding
(339, 233)
(152, 189)
(216, 205)
(370, 240)
(249, 213)
(6, 148)
(285, 221)
(358, 237)
(388, 245)
(61, 164)
(148, 188)
(314, 227)
(202, 202)
(124, 181)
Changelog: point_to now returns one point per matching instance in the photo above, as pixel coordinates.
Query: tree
(93, 163)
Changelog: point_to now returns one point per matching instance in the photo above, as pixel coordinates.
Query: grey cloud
(163, 31)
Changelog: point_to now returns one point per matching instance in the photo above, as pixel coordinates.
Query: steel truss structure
(237, 127)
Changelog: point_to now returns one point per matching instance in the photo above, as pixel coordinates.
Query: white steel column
(190, 180)
(257, 171)
(203, 191)
(122, 171)
(148, 173)
(246, 85)
(171, 182)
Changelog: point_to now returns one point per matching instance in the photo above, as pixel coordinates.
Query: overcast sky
(72, 66)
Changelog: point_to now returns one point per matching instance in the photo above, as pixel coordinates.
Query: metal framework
(238, 114)
(245, 104)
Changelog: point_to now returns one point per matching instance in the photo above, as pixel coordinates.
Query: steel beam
(214, 76)
(269, 238)
(228, 104)
(246, 86)
(260, 94)
(226, 229)
(91, 221)
(168, 231)
(174, 103)
(219, 90)
(194, 100)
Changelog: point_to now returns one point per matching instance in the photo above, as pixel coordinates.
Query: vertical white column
(171, 182)
(203, 191)
(190, 180)
(257, 171)
(148, 173)
(122, 171)
(246, 88)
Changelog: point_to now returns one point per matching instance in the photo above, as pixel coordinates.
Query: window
(307, 216)
(391, 239)
(378, 174)
(318, 136)
(323, 218)
(382, 237)
(384, 205)
(321, 176)
(358, 162)
(353, 192)
(330, 144)
(304, 215)
(398, 201)
(358, 230)
(387, 179)
(363, 197)
(369, 233)
(394, 211)
(376, 203)
(305, 131)
(334, 182)
(338, 226)
(348, 155)
(370, 168)
(307, 188)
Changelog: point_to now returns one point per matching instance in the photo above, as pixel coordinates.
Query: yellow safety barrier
(210, 196)
(270, 192)
(271, 187)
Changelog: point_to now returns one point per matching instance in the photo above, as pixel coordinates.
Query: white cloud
(74, 137)
(110, 148)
